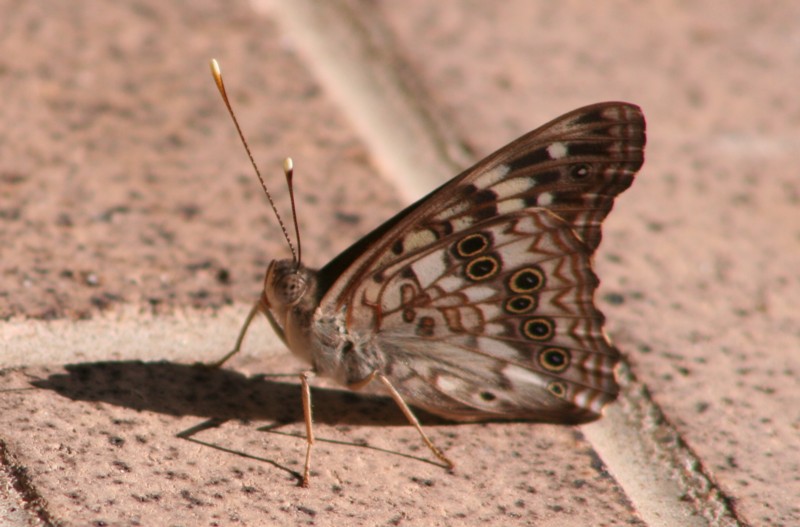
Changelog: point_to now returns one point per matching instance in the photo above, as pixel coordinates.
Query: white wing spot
(497, 348)
(450, 283)
(510, 205)
(557, 150)
(491, 177)
(521, 378)
(418, 239)
(462, 223)
(492, 311)
(512, 187)
(544, 199)
(429, 268)
(449, 384)
(477, 294)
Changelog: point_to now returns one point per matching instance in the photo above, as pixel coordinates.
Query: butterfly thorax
(319, 337)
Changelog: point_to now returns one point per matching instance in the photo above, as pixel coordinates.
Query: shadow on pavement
(180, 390)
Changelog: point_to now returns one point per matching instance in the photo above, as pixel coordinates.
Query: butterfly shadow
(220, 395)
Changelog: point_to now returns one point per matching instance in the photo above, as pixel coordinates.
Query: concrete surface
(133, 237)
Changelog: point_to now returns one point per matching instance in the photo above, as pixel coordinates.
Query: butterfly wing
(480, 296)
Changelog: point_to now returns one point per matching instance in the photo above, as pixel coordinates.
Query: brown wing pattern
(480, 295)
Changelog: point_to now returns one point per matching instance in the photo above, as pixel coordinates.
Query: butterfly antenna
(288, 170)
(217, 74)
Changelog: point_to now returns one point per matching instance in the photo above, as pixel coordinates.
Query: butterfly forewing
(573, 166)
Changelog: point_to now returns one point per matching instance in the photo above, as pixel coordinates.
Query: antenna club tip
(217, 74)
(288, 165)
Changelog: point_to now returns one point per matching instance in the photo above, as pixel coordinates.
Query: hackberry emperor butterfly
(475, 302)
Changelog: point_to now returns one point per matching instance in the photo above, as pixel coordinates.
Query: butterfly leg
(413, 420)
(309, 428)
(242, 332)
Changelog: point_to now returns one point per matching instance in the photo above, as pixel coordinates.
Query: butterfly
(475, 302)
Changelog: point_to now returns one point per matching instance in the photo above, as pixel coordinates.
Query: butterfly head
(286, 286)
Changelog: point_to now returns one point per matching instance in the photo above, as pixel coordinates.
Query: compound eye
(291, 288)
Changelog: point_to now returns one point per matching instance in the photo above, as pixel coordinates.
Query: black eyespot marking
(580, 172)
(473, 244)
(520, 304)
(482, 268)
(557, 388)
(488, 396)
(426, 326)
(540, 329)
(397, 246)
(555, 360)
(407, 273)
(526, 280)
(347, 347)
